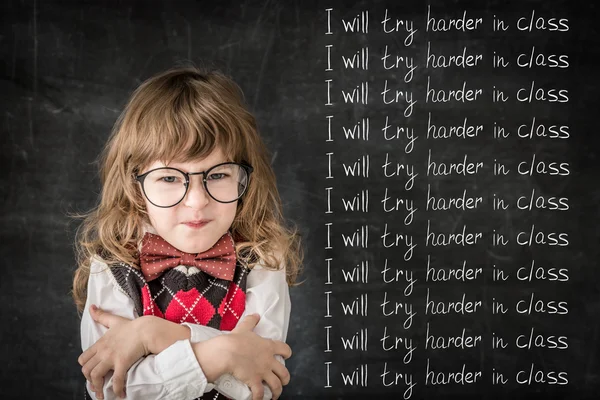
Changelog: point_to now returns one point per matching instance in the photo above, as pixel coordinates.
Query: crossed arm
(155, 358)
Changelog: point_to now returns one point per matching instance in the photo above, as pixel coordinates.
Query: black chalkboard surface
(439, 158)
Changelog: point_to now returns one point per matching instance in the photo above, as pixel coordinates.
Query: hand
(253, 359)
(118, 349)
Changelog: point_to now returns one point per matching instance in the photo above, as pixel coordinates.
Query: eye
(216, 176)
(169, 179)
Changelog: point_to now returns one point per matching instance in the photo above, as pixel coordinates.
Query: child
(187, 241)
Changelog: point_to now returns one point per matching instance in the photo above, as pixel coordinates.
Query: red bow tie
(157, 255)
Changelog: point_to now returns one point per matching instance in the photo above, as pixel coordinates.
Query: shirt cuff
(178, 363)
(200, 333)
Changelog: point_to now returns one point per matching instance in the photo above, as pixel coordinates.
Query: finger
(97, 393)
(257, 389)
(97, 376)
(93, 389)
(88, 367)
(119, 382)
(274, 384)
(97, 315)
(282, 372)
(247, 323)
(282, 349)
(99, 388)
(105, 318)
(87, 355)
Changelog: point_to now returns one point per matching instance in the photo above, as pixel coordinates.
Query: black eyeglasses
(166, 187)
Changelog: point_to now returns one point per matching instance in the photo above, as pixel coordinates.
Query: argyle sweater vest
(193, 297)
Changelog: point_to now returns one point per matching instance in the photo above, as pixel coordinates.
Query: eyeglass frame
(246, 167)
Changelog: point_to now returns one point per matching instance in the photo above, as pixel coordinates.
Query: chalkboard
(439, 158)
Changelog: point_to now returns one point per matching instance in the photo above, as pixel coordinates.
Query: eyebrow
(188, 169)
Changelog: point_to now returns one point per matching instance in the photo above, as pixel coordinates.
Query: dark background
(67, 68)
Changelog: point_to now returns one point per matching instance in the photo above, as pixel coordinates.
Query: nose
(196, 196)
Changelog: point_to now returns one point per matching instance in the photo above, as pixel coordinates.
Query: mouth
(197, 224)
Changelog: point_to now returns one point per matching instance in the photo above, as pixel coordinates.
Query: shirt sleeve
(174, 373)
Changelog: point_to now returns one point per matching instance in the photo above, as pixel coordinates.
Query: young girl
(187, 243)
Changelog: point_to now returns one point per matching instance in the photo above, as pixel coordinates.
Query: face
(178, 225)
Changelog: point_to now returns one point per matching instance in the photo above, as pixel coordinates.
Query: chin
(197, 242)
(198, 247)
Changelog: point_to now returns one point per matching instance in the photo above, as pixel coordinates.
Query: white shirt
(175, 373)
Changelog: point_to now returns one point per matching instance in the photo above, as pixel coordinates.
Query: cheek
(151, 210)
(160, 218)
(229, 212)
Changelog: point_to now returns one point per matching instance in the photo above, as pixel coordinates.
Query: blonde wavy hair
(183, 114)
